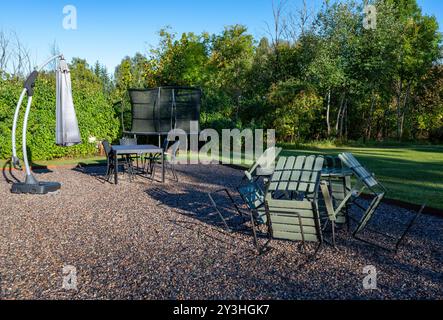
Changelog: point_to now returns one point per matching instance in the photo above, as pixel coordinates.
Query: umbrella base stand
(35, 188)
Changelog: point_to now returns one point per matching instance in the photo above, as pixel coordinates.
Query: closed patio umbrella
(67, 132)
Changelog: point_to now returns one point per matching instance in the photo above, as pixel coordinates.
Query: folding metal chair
(368, 182)
(295, 217)
(249, 189)
(337, 178)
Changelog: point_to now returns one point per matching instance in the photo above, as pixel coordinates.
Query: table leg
(163, 167)
(115, 168)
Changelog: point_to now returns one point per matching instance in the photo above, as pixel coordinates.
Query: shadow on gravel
(196, 204)
(419, 252)
(97, 172)
(7, 169)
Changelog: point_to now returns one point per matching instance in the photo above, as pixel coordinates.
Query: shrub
(96, 118)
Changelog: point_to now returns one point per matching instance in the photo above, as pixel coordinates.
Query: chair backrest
(332, 163)
(128, 142)
(299, 174)
(252, 194)
(265, 162)
(107, 148)
(294, 220)
(362, 174)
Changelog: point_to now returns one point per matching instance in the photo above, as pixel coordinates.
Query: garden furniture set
(146, 158)
(306, 197)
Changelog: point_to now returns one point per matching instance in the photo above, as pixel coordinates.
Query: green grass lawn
(63, 162)
(412, 174)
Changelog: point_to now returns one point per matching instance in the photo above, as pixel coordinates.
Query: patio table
(339, 180)
(136, 149)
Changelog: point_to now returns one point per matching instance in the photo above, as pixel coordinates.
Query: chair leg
(317, 250)
(268, 224)
(300, 223)
(369, 212)
(398, 242)
(411, 223)
(232, 200)
(333, 234)
(254, 232)
(219, 213)
(174, 173)
(348, 219)
(129, 168)
(153, 170)
(109, 170)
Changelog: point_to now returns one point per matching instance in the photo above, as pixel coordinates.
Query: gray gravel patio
(147, 240)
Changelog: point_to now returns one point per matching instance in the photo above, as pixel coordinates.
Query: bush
(436, 135)
(96, 118)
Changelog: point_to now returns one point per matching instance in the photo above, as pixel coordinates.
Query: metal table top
(136, 149)
(336, 172)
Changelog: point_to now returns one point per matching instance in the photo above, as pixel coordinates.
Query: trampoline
(157, 111)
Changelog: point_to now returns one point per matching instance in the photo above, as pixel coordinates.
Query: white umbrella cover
(67, 132)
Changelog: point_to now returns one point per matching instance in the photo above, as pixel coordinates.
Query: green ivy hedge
(96, 118)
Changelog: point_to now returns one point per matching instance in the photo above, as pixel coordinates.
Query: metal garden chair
(368, 182)
(131, 142)
(291, 202)
(249, 189)
(152, 159)
(110, 162)
(170, 158)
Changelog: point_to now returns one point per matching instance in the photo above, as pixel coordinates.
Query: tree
(178, 61)
(230, 61)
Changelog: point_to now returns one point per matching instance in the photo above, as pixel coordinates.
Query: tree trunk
(404, 110)
(342, 119)
(371, 113)
(399, 94)
(346, 121)
(328, 113)
(339, 114)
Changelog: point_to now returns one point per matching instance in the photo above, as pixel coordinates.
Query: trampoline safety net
(160, 110)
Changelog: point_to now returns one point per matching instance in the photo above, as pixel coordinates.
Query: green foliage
(180, 62)
(296, 107)
(336, 80)
(95, 115)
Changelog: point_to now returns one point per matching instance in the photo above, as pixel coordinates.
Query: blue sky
(109, 30)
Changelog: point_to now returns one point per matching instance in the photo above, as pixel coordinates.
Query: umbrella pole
(30, 179)
(15, 159)
(31, 185)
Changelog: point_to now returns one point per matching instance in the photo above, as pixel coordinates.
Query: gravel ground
(147, 240)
